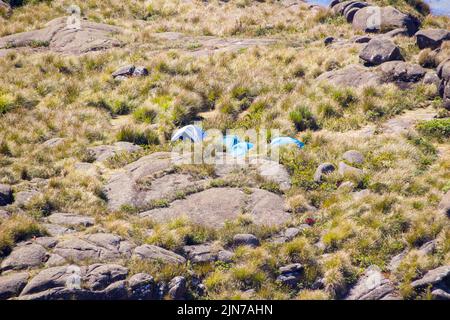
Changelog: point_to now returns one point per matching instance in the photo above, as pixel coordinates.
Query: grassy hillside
(44, 95)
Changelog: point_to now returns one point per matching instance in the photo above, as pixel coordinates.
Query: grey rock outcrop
(371, 286)
(145, 180)
(12, 284)
(130, 71)
(53, 143)
(60, 35)
(71, 220)
(382, 19)
(379, 50)
(94, 247)
(105, 152)
(399, 71)
(49, 278)
(438, 278)
(213, 207)
(273, 171)
(25, 257)
(177, 288)
(245, 240)
(291, 274)
(153, 253)
(202, 252)
(431, 38)
(443, 72)
(351, 76)
(353, 157)
(100, 276)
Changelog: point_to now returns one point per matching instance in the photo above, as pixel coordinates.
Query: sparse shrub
(136, 136)
(15, 229)
(436, 128)
(6, 103)
(345, 97)
(303, 119)
(145, 114)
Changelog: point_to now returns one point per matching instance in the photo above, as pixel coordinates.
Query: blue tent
(190, 132)
(241, 149)
(280, 141)
(230, 141)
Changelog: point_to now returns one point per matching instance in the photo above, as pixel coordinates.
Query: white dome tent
(190, 132)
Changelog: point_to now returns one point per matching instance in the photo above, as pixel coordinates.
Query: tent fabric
(280, 141)
(190, 132)
(229, 141)
(241, 149)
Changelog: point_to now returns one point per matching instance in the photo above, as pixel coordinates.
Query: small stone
(347, 185)
(353, 157)
(53, 143)
(345, 170)
(291, 233)
(245, 240)
(361, 39)
(23, 198)
(124, 71)
(115, 291)
(431, 78)
(390, 18)
(105, 152)
(361, 194)
(201, 253)
(323, 169)
(225, 256)
(140, 72)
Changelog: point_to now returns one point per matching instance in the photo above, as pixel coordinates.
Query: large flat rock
(144, 180)
(213, 207)
(25, 257)
(94, 247)
(59, 36)
(351, 76)
(12, 284)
